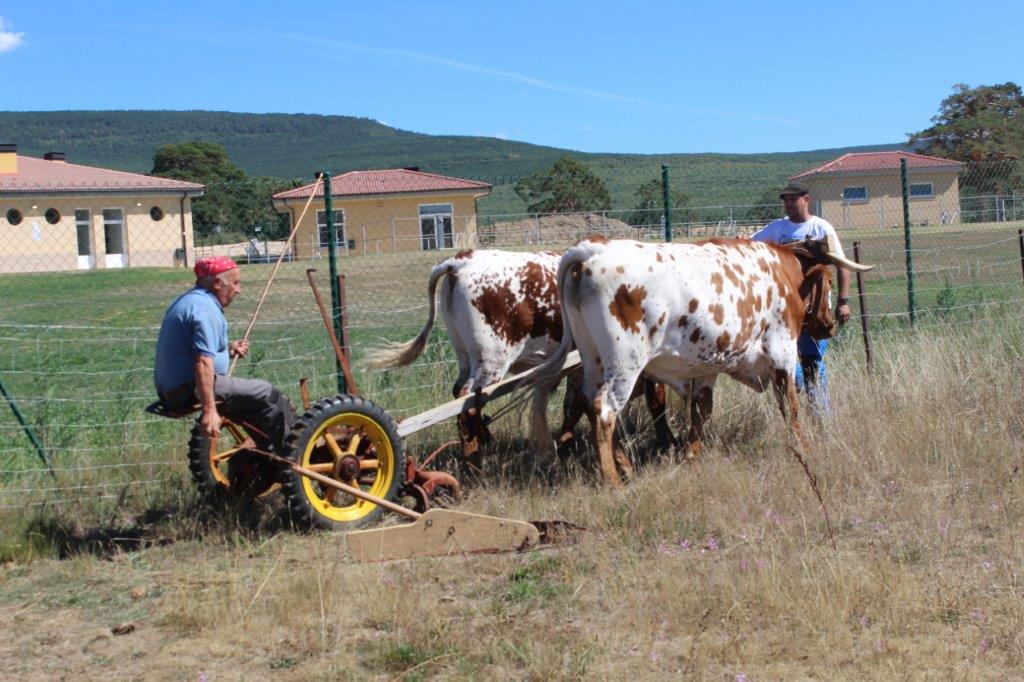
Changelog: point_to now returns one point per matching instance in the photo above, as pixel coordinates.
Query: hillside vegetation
(292, 146)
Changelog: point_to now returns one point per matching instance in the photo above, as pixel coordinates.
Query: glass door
(113, 238)
(436, 227)
(83, 227)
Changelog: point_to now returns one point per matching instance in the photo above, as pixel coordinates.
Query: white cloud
(9, 40)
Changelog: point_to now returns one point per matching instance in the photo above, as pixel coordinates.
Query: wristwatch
(842, 301)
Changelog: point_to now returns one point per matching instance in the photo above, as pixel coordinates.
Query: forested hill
(294, 145)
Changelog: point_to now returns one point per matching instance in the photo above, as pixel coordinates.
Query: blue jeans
(811, 375)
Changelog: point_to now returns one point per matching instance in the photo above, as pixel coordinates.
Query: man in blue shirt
(798, 225)
(193, 358)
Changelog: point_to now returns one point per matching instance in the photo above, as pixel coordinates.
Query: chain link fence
(82, 307)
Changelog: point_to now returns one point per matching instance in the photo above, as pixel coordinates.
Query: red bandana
(207, 267)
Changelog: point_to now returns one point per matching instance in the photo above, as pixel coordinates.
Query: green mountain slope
(295, 145)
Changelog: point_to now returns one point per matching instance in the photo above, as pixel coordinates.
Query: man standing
(193, 358)
(798, 225)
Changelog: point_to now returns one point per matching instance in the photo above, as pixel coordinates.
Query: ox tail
(546, 376)
(404, 354)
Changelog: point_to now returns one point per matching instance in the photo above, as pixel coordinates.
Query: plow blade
(443, 532)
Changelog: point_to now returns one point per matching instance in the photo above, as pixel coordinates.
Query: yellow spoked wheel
(353, 441)
(226, 464)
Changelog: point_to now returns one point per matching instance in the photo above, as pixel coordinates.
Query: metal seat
(161, 410)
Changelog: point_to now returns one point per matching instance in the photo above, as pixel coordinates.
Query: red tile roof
(39, 175)
(394, 181)
(875, 161)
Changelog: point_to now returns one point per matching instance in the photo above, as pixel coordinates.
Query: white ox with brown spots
(502, 312)
(685, 313)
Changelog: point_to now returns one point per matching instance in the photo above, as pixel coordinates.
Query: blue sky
(592, 76)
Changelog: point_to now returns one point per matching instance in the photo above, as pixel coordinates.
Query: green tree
(984, 128)
(650, 204)
(195, 161)
(985, 123)
(766, 208)
(567, 187)
(238, 204)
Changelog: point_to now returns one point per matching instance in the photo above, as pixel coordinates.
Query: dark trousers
(259, 403)
(252, 401)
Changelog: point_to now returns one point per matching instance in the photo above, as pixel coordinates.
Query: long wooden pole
(273, 273)
(861, 298)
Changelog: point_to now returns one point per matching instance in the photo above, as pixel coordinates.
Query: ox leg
(603, 412)
(473, 431)
(654, 393)
(701, 403)
(784, 384)
(474, 434)
(573, 407)
(603, 428)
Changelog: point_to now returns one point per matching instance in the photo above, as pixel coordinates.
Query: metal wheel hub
(347, 468)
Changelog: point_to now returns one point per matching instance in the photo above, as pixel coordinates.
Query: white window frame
(931, 190)
(856, 200)
(339, 228)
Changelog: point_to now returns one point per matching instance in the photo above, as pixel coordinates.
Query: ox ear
(826, 250)
(808, 249)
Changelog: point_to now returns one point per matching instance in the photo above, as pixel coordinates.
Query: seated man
(192, 361)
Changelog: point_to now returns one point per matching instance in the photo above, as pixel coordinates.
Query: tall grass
(716, 570)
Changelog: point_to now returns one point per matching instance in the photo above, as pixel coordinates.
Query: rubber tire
(210, 488)
(305, 513)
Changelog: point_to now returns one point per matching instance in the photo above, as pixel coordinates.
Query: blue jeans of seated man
(811, 375)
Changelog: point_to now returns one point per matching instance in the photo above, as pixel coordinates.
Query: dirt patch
(554, 229)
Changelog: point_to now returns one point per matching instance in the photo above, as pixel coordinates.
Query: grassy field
(719, 570)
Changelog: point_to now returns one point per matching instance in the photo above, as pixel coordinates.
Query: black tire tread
(303, 514)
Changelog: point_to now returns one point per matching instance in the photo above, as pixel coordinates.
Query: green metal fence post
(667, 204)
(28, 430)
(911, 308)
(332, 260)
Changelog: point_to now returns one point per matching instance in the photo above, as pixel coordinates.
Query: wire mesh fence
(81, 308)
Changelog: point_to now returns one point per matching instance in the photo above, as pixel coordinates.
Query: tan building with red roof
(56, 215)
(386, 211)
(864, 190)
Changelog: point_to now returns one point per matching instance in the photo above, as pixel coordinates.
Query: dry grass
(715, 571)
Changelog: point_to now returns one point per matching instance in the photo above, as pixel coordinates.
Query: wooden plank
(436, 415)
(442, 532)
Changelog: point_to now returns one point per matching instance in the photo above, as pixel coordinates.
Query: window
(14, 216)
(83, 227)
(339, 228)
(921, 190)
(855, 194)
(156, 213)
(436, 227)
(52, 216)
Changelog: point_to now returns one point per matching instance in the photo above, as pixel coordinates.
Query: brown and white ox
(685, 313)
(502, 312)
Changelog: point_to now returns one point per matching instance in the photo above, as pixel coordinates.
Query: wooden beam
(423, 420)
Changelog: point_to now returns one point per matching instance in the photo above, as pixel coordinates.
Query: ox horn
(834, 254)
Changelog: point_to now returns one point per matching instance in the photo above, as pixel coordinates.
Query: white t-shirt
(784, 230)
